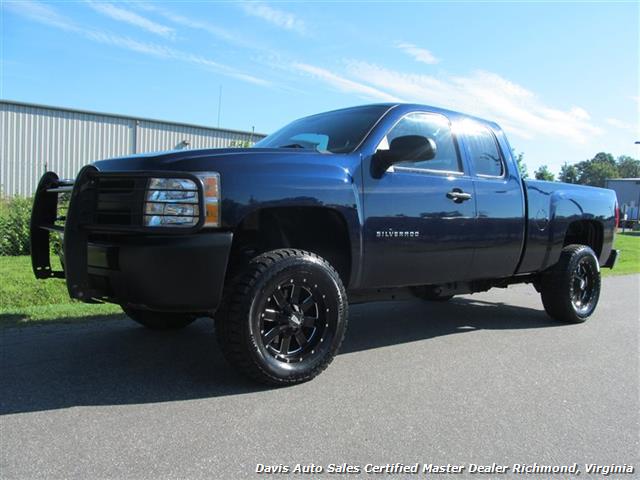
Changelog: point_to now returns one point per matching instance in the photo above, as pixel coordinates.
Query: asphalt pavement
(484, 378)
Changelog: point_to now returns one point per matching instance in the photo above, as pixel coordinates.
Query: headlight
(174, 202)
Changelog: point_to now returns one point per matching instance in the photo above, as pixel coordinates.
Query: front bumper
(163, 270)
(181, 273)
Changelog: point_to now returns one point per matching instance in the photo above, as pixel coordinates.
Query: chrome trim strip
(428, 170)
(366, 137)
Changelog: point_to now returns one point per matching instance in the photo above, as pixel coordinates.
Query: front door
(420, 215)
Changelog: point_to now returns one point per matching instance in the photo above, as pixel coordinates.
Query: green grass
(24, 299)
(629, 260)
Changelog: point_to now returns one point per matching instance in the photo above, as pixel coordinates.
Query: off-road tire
(266, 287)
(571, 289)
(159, 320)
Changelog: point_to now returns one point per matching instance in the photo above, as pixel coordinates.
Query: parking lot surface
(484, 378)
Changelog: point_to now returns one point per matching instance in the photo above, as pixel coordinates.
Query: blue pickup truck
(369, 203)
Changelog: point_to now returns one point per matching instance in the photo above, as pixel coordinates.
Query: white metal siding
(34, 139)
(156, 136)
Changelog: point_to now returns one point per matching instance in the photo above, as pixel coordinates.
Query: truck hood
(253, 178)
(208, 159)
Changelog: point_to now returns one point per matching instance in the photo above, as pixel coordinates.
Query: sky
(562, 79)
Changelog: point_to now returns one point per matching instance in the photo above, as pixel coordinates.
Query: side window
(433, 126)
(484, 152)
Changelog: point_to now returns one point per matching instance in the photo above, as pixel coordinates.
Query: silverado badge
(391, 233)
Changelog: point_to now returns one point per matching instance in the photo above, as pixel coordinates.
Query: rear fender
(552, 208)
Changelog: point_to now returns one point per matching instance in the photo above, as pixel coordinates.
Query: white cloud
(419, 54)
(41, 13)
(44, 14)
(580, 113)
(197, 24)
(343, 84)
(161, 51)
(127, 43)
(132, 18)
(279, 18)
(485, 94)
(614, 122)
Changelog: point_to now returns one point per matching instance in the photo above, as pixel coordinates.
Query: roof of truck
(409, 106)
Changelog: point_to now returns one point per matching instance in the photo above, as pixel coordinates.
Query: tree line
(592, 172)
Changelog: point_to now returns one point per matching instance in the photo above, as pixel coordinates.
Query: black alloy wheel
(283, 320)
(293, 321)
(583, 286)
(571, 289)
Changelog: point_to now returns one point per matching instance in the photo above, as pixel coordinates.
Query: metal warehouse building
(37, 138)
(628, 193)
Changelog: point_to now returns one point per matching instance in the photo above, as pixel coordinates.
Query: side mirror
(403, 149)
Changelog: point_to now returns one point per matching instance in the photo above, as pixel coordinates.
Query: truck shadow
(115, 362)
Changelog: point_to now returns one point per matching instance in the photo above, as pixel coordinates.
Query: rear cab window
(484, 153)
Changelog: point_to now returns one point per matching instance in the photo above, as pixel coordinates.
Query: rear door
(416, 231)
(499, 237)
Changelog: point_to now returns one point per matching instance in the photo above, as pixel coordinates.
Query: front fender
(255, 179)
(331, 184)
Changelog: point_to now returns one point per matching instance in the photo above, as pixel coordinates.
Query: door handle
(458, 196)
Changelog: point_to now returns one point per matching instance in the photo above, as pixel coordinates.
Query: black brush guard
(93, 213)
(44, 216)
(77, 224)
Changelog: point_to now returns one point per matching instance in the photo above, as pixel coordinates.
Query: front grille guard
(80, 222)
(44, 216)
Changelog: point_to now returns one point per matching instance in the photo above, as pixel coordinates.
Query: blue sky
(561, 79)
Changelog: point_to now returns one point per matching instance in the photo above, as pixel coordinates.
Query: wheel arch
(319, 229)
(585, 232)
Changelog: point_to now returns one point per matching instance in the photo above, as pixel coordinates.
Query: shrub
(15, 214)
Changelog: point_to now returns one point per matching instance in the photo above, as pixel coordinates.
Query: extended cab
(362, 204)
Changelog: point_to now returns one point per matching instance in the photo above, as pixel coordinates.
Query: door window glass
(433, 126)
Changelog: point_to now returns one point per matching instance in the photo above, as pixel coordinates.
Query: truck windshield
(340, 131)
